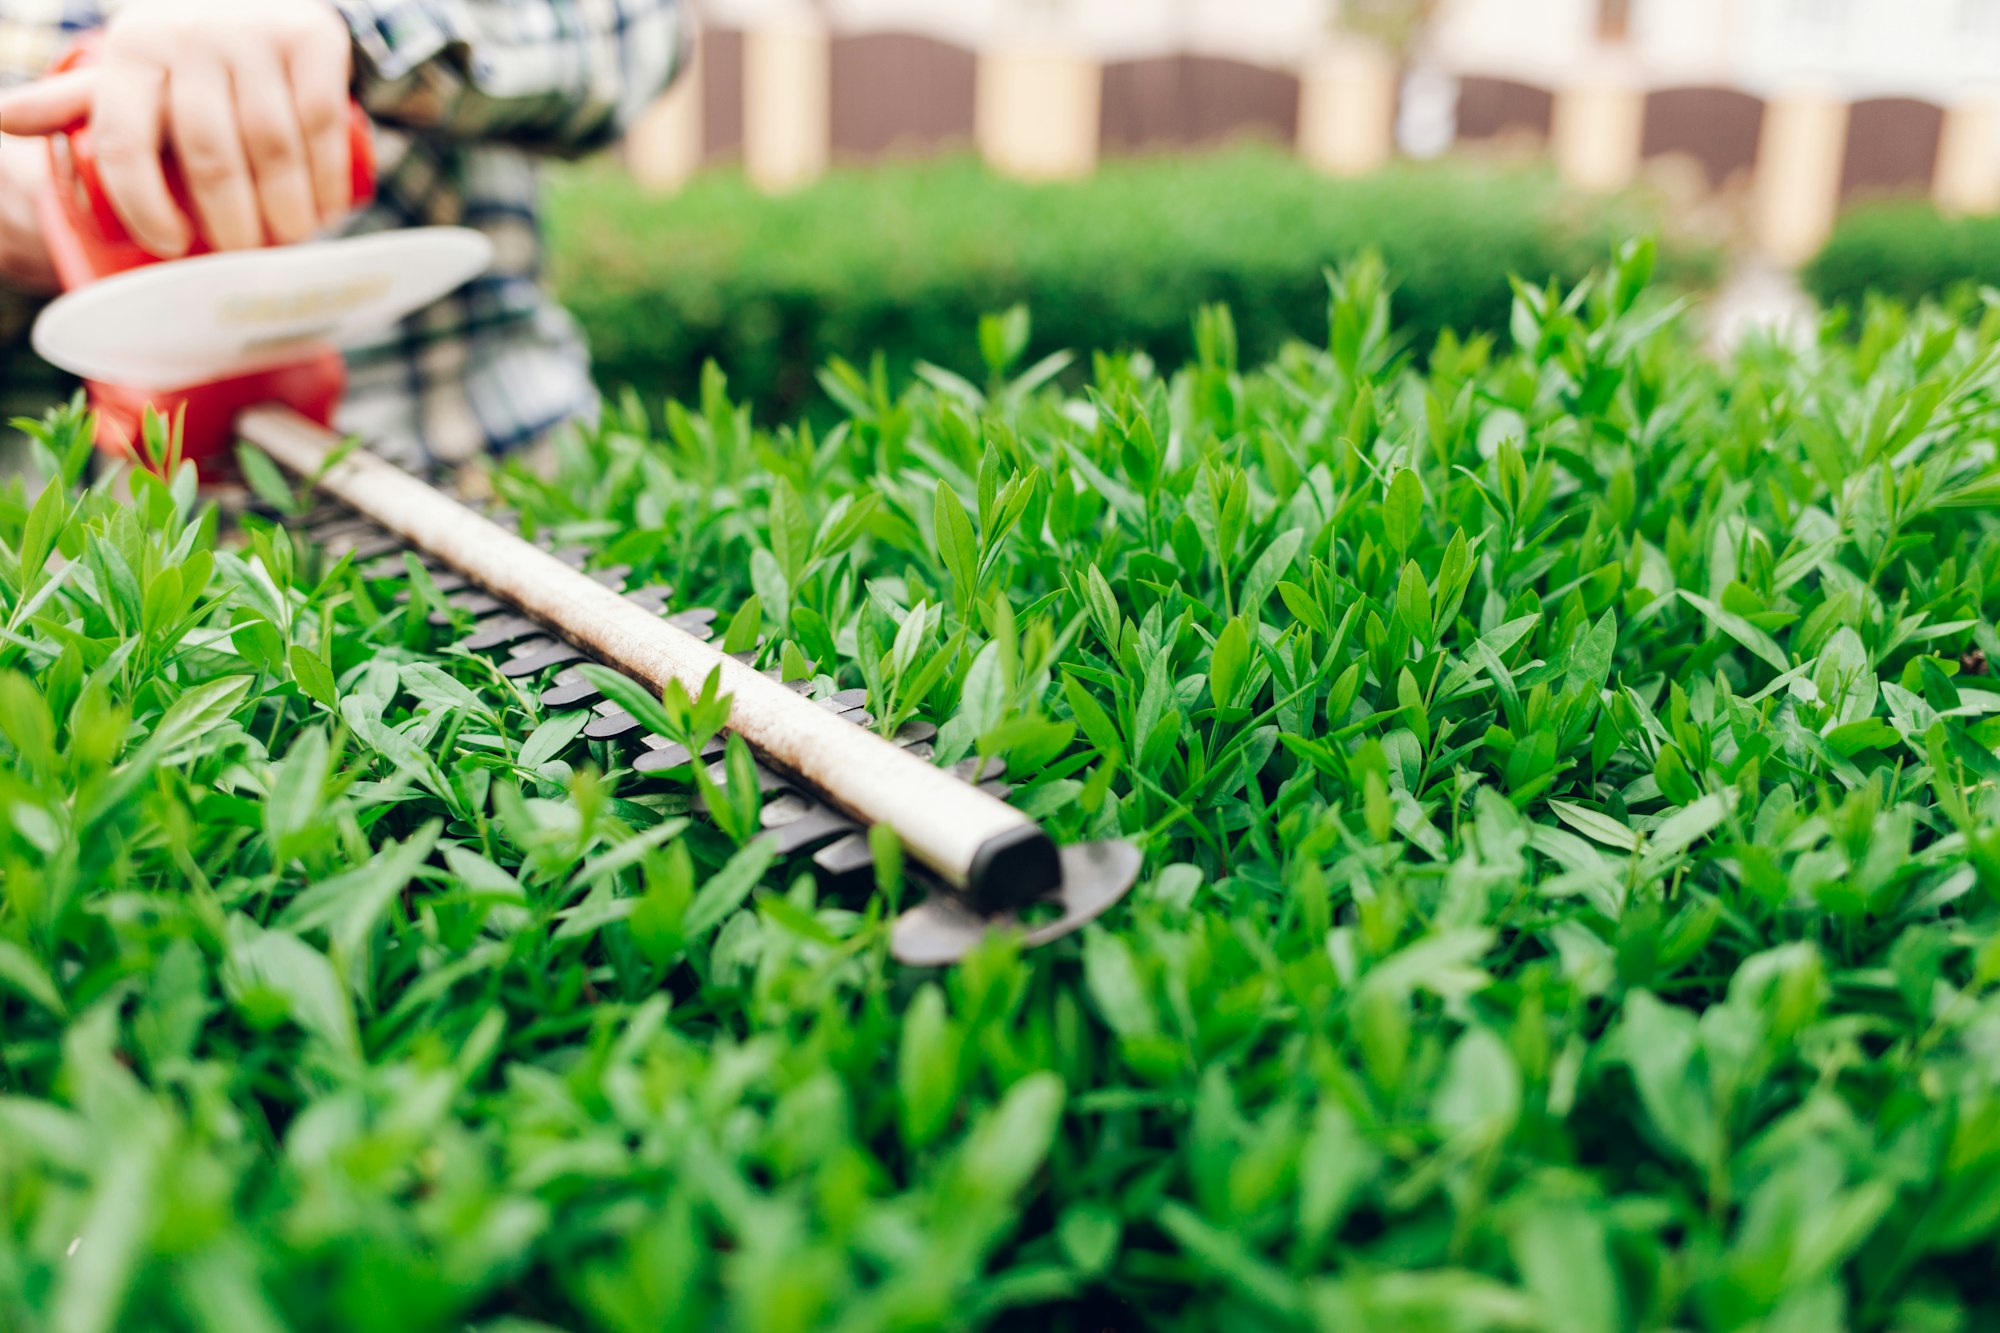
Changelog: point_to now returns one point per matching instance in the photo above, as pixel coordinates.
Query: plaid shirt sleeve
(556, 76)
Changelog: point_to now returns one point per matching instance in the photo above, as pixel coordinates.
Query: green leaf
(1403, 512)
(631, 696)
(1741, 630)
(272, 967)
(349, 904)
(21, 973)
(956, 545)
(313, 675)
(191, 725)
(1010, 1142)
(927, 1068)
(745, 627)
(1229, 663)
(1413, 604)
(729, 888)
(1597, 826)
(551, 738)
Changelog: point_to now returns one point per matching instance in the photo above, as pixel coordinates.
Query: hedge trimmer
(246, 345)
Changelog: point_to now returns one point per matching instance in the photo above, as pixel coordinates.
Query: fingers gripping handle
(73, 157)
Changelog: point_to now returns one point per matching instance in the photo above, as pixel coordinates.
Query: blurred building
(1792, 107)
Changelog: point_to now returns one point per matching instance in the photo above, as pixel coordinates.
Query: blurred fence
(788, 94)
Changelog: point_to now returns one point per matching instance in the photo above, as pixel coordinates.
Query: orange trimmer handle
(75, 157)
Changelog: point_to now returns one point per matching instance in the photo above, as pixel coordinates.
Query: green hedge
(1906, 250)
(905, 258)
(1570, 902)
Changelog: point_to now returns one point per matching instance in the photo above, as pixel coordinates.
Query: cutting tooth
(914, 733)
(999, 791)
(343, 525)
(848, 857)
(444, 580)
(768, 780)
(819, 824)
(785, 809)
(671, 755)
(540, 659)
(922, 749)
(471, 602)
(392, 567)
(695, 621)
(323, 511)
(610, 726)
(570, 694)
(653, 596)
(368, 548)
(974, 771)
(846, 701)
(498, 632)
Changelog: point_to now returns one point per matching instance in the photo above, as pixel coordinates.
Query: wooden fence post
(1596, 130)
(1798, 172)
(1968, 160)
(786, 102)
(1035, 112)
(1347, 108)
(664, 147)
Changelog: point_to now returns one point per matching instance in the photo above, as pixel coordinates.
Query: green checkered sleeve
(555, 76)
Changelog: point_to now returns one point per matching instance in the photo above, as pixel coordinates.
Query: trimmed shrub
(1904, 250)
(905, 258)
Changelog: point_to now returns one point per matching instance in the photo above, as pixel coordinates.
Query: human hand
(24, 256)
(251, 96)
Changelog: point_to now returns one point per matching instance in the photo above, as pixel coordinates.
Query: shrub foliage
(903, 259)
(1567, 779)
(1904, 251)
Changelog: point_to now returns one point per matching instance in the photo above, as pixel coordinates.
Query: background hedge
(1904, 249)
(905, 258)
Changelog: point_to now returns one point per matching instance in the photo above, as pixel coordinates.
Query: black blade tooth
(499, 632)
(693, 619)
(785, 809)
(343, 524)
(846, 701)
(652, 596)
(322, 511)
(822, 824)
(369, 548)
(444, 580)
(534, 663)
(471, 602)
(670, 756)
(845, 860)
(860, 717)
(921, 749)
(974, 771)
(611, 726)
(914, 733)
(999, 791)
(768, 780)
(575, 694)
(391, 567)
